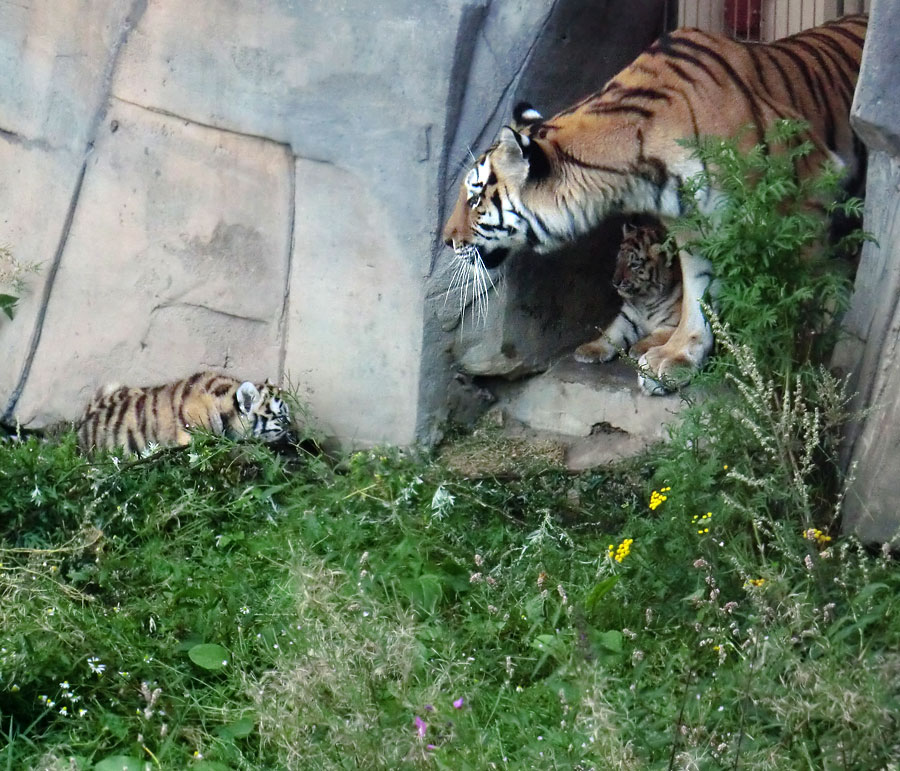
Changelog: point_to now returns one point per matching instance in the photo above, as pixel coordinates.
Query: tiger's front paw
(667, 368)
(599, 350)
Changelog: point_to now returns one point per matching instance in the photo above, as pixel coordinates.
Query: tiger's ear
(514, 142)
(247, 396)
(522, 154)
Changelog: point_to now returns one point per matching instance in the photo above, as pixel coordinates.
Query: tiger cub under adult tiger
(648, 279)
(133, 418)
(621, 150)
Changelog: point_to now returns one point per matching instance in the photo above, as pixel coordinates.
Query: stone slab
(54, 57)
(585, 400)
(36, 187)
(354, 327)
(379, 103)
(358, 83)
(176, 261)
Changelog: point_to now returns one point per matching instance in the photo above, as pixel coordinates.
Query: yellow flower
(658, 498)
(701, 520)
(621, 551)
(755, 582)
(816, 535)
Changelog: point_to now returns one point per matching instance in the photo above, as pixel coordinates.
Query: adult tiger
(545, 182)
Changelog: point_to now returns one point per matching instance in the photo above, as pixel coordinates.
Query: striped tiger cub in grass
(648, 279)
(546, 181)
(133, 418)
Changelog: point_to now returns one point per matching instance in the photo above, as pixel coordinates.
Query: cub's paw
(599, 350)
(661, 371)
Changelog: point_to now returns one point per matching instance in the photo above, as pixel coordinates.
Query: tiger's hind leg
(669, 366)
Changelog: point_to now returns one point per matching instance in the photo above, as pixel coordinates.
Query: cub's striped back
(133, 418)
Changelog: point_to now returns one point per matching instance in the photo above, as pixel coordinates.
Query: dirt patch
(487, 452)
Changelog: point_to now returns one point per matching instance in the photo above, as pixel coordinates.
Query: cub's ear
(525, 115)
(247, 396)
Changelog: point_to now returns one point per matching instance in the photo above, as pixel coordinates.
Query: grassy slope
(386, 614)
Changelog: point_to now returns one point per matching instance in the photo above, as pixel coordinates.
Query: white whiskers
(473, 283)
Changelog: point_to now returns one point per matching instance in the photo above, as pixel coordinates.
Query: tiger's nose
(448, 241)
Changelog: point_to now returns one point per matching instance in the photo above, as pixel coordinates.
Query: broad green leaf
(238, 729)
(611, 640)
(209, 656)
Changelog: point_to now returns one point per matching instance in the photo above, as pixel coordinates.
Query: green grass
(227, 608)
(350, 600)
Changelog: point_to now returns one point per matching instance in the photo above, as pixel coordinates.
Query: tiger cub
(649, 282)
(133, 418)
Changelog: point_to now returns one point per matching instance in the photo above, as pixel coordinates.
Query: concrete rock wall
(257, 186)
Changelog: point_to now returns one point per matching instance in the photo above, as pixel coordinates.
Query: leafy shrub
(780, 286)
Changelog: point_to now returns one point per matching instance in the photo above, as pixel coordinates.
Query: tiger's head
(262, 412)
(490, 220)
(643, 267)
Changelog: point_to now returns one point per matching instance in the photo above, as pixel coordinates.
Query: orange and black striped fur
(648, 280)
(546, 181)
(133, 418)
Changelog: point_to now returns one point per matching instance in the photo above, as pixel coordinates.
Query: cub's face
(264, 413)
(486, 224)
(642, 267)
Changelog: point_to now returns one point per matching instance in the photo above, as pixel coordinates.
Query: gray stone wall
(257, 186)
(871, 353)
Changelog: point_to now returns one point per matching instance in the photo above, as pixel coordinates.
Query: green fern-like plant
(780, 288)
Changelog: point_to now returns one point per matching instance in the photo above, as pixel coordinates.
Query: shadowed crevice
(470, 25)
(284, 318)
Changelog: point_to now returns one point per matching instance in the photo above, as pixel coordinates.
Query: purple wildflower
(421, 726)
(458, 703)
